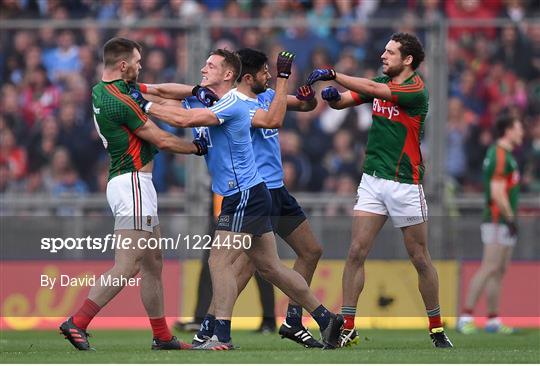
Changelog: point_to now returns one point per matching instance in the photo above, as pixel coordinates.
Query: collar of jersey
(112, 81)
(404, 81)
(243, 96)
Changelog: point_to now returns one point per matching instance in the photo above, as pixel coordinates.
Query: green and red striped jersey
(393, 148)
(499, 164)
(117, 117)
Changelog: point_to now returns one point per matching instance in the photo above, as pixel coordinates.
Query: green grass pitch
(376, 346)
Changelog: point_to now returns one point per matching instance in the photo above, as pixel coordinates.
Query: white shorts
(492, 233)
(133, 201)
(404, 203)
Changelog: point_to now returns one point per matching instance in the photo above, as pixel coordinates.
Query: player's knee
(212, 262)
(490, 270)
(268, 270)
(358, 253)
(501, 270)
(312, 254)
(129, 270)
(216, 262)
(420, 261)
(153, 265)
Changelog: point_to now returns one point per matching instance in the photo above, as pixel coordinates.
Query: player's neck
(111, 75)
(505, 144)
(246, 90)
(404, 75)
(220, 90)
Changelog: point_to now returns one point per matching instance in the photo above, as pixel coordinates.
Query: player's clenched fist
(321, 75)
(330, 94)
(205, 95)
(202, 145)
(137, 96)
(305, 92)
(284, 64)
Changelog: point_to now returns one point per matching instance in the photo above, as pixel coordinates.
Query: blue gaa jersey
(230, 157)
(266, 145)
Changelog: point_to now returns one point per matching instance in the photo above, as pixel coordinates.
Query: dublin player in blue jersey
(288, 218)
(247, 205)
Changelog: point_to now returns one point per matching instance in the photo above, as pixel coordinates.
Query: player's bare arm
(359, 85)
(163, 140)
(364, 86)
(337, 100)
(303, 101)
(167, 90)
(180, 117)
(177, 91)
(175, 115)
(276, 113)
(500, 197)
(160, 100)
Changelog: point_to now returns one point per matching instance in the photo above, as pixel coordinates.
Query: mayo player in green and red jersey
(131, 139)
(499, 230)
(393, 171)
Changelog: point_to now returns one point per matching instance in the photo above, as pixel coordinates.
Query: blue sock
(207, 326)
(223, 330)
(294, 315)
(321, 316)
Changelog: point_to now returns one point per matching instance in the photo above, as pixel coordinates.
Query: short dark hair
(230, 59)
(252, 61)
(410, 45)
(503, 123)
(117, 49)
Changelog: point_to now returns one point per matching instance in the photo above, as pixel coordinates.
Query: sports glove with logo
(321, 75)
(137, 96)
(284, 64)
(205, 95)
(305, 92)
(330, 94)
(202, 145)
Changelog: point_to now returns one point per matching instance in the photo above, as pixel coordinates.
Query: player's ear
(228, 75)
(408, 60)
(248, 78)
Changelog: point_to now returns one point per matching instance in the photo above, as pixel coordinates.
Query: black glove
(205, 95)
(137, 96)
(202, 145)
(284, 64)
(321, 75)
(512, 228)
(330, 94)
(305, 92)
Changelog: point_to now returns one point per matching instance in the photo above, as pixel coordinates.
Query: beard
(130, 75)
(394, 71)
(258, 88)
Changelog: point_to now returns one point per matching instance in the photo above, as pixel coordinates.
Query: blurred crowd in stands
(48, 142)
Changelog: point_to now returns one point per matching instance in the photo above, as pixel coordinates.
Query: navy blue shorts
(247, 212)
(287, 214)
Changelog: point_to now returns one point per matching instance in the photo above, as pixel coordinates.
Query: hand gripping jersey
(393, 149)
(500, 164)
(266, 144)
(117, 117)
(230, 157)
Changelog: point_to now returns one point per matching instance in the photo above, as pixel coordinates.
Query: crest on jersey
(269, 132)
(203, 131)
